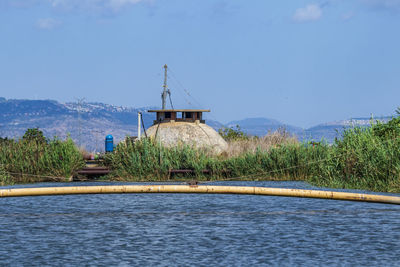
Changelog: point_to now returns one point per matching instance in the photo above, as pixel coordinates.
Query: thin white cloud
(384, 4)
(19, 3)
(47, 23)
(94, 5)
(118, 4)
(347, 16)
(311, 12)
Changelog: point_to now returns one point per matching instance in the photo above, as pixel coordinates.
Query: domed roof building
(184, 126)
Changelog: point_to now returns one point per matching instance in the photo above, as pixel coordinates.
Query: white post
(139, 130)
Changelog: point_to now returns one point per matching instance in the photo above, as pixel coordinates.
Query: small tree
(390, 129)
(232, 133)
(34, 134)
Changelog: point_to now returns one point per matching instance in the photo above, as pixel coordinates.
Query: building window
(188, 115)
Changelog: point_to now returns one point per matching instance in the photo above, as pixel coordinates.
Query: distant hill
(326, 131)
(331, 130)
(261, 126)
(89, 123)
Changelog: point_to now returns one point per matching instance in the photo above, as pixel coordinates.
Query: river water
(202, 230)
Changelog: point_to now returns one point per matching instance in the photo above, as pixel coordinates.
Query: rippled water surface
(183, 229)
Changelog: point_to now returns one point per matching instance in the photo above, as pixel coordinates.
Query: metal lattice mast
(166, 91)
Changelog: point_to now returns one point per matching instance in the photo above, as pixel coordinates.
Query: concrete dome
(194, 134)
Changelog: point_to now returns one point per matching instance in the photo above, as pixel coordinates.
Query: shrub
(34, 135)
(388, 130)
(146, 159)
(237, 147)
(5, 177)
(363, 160)
(32, 160)
(233, 133)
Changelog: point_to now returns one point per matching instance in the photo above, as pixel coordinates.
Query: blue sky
(301, 62)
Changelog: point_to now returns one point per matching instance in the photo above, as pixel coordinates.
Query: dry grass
(85, 154)
(252, 144)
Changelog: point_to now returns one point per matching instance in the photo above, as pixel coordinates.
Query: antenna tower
(166, 91)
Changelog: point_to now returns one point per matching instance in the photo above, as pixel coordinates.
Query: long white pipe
(201, 189)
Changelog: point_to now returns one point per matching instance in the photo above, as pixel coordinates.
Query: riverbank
(364, 158)
(33, 158)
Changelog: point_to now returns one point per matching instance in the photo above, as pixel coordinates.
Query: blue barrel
(109, 143)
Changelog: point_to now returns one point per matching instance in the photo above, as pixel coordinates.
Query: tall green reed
(30, 160)
(146, 159)
(361, 159)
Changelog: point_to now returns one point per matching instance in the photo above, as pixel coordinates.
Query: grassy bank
(148, 160)
(35, 159)
(364, 158)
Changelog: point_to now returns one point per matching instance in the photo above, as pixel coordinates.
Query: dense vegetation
(364, 158)
(33, 158)
(148, 160)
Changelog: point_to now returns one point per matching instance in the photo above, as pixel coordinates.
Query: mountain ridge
(88, 122)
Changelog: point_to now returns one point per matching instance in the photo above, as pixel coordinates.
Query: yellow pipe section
(201, 189)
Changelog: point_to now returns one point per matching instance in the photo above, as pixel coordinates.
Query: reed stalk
(30, 160)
